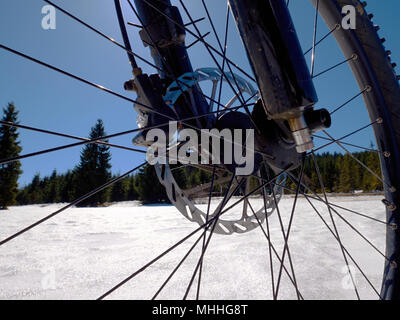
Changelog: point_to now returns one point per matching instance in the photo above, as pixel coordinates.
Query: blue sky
(52, 101)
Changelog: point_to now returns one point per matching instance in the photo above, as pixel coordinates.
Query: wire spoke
(255, 190)
(213, 57)
(133, 275)
(288, 249)
(286, 235)
(344, 248)
(17, 125)
(279, 259)
(240, 96)
(197, 37)
(358, 161)
(178, 266)
(225, 49)
(166, 65)
(147, 108)
(198, 40)
(222, 48)
(219, 42)
(204, 235)
(98, 140)
(348, 135)
(205, 226)
(334, 67)
(330, 203)
(164, 61)
(67, 73)
(129, 51)
(67, 146)
(347, 144)
(104, 89)
(135, 25)
(268, 233)
(351, 99)
(323, 38)
(314, 39)
(292, 278)
(194, 22)
(334, 226)
(227, 196)
(343, 208)
(283, 234)
(340, 216)
(125, 36)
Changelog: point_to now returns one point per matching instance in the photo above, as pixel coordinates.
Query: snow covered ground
(83, 252)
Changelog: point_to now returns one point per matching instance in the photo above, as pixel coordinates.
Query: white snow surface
(83, 252)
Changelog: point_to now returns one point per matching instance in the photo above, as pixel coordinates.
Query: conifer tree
(347, 178)
(36, 190)
(148, 186)
(120, 190)
(132, 192)
(371, 182)
(67, 187)
(53, 192)
(9, 147)
(93, 169)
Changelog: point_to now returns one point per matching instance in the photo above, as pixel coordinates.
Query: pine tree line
(342, 173)
(143, 186)
(339, 173)
(62, 188)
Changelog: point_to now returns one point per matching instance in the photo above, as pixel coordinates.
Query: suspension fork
(163, 34)
(280, 69)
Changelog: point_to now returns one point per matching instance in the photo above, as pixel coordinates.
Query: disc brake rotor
(187, 207)
(181, 199)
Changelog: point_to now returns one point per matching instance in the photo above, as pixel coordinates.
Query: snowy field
(83, 252)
